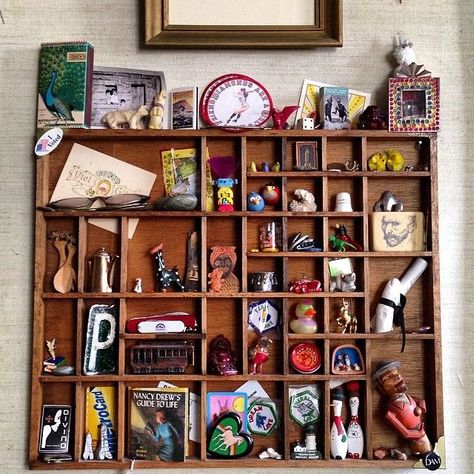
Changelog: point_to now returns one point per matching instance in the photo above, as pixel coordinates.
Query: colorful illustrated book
(194, 413)
(123, 89)
(55, 428)
(184, 108)
(309, 100)
(219, 403)
(181, 171)
(101, 408)
(65, 85)
(158, 423)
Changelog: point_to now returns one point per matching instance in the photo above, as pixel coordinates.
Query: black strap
(398, 315)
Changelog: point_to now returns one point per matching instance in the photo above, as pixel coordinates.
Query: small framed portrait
(413, 104)
(306, 156)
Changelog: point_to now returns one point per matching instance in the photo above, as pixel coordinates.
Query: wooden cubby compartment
(63, 317)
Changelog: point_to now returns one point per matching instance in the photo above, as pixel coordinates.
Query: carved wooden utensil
(65, 276)
(60, 245)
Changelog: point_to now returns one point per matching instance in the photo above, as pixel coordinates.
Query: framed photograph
(413, 104)
(309, 102)
(123, 89)
(306, 156)
(243, 24)
(184, 108)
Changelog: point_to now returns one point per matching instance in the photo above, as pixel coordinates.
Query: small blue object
(255, 202)
(265, 166)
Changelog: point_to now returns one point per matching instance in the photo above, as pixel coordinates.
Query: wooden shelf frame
(255, 145)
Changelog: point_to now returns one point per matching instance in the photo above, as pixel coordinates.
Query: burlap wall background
(444, 40)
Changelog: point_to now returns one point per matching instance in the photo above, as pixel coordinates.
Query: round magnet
(306, 357)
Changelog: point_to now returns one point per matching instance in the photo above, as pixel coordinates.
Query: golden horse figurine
(346, 320)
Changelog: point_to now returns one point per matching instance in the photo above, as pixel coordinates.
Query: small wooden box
(397, 231)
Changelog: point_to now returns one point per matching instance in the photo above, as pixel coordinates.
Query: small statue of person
(404, 412)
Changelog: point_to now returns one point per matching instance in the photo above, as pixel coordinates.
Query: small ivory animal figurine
(130, 117)
(304, 202)
(158, 111)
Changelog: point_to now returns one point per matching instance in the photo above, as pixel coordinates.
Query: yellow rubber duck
(378, 161)
(395, 160)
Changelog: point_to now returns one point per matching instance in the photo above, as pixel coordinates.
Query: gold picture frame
(160, 32)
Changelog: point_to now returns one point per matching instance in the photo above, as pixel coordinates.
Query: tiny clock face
(235, 100)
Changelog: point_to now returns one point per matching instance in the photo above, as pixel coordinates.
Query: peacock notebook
(65, 85)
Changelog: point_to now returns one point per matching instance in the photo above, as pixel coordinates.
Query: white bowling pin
(355, 435)
(338, 432)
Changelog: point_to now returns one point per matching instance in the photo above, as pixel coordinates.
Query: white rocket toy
(339, 438)
(355, 435)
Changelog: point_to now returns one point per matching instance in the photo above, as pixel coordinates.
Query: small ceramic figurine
(377, 161)
(349, 243)
(339, 438)
(221, 358)
(216, 280)
(346, 320)
(259, 354)
(355, 435)
(265, 167)
(88, 453)
(304, 201)
(252, 167)
(276, 167)
(158, 110)
(225, 258)
(271, 194)
(255, 202)
(138, 288)
(403, 53)
(309, 449)
(164, 276)
(372, 118)
(404, 412)
(304, 322)
(345, 283)
(304, 285)
(103, 450)
(130, 117)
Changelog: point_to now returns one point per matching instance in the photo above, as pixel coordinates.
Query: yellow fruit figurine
(378, 161)
(395, 160)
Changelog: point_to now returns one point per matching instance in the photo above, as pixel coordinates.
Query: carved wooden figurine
(404, 412)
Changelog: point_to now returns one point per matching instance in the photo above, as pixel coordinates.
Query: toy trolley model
(158, 358)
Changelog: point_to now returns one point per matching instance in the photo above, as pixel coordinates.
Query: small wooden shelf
(64, 316)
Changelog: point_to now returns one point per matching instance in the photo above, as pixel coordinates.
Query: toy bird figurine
(281, 116)
(54, 104)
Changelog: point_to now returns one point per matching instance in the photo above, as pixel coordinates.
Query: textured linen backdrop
(444, 39)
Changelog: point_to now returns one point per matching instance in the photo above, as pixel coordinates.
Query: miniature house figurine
(404, 412)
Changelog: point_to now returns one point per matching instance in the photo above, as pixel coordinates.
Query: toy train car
(161, 357)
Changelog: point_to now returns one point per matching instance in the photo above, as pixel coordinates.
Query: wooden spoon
(64, 278)
(60, 246)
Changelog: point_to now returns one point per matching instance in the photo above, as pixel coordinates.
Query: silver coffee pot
(102, 270)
